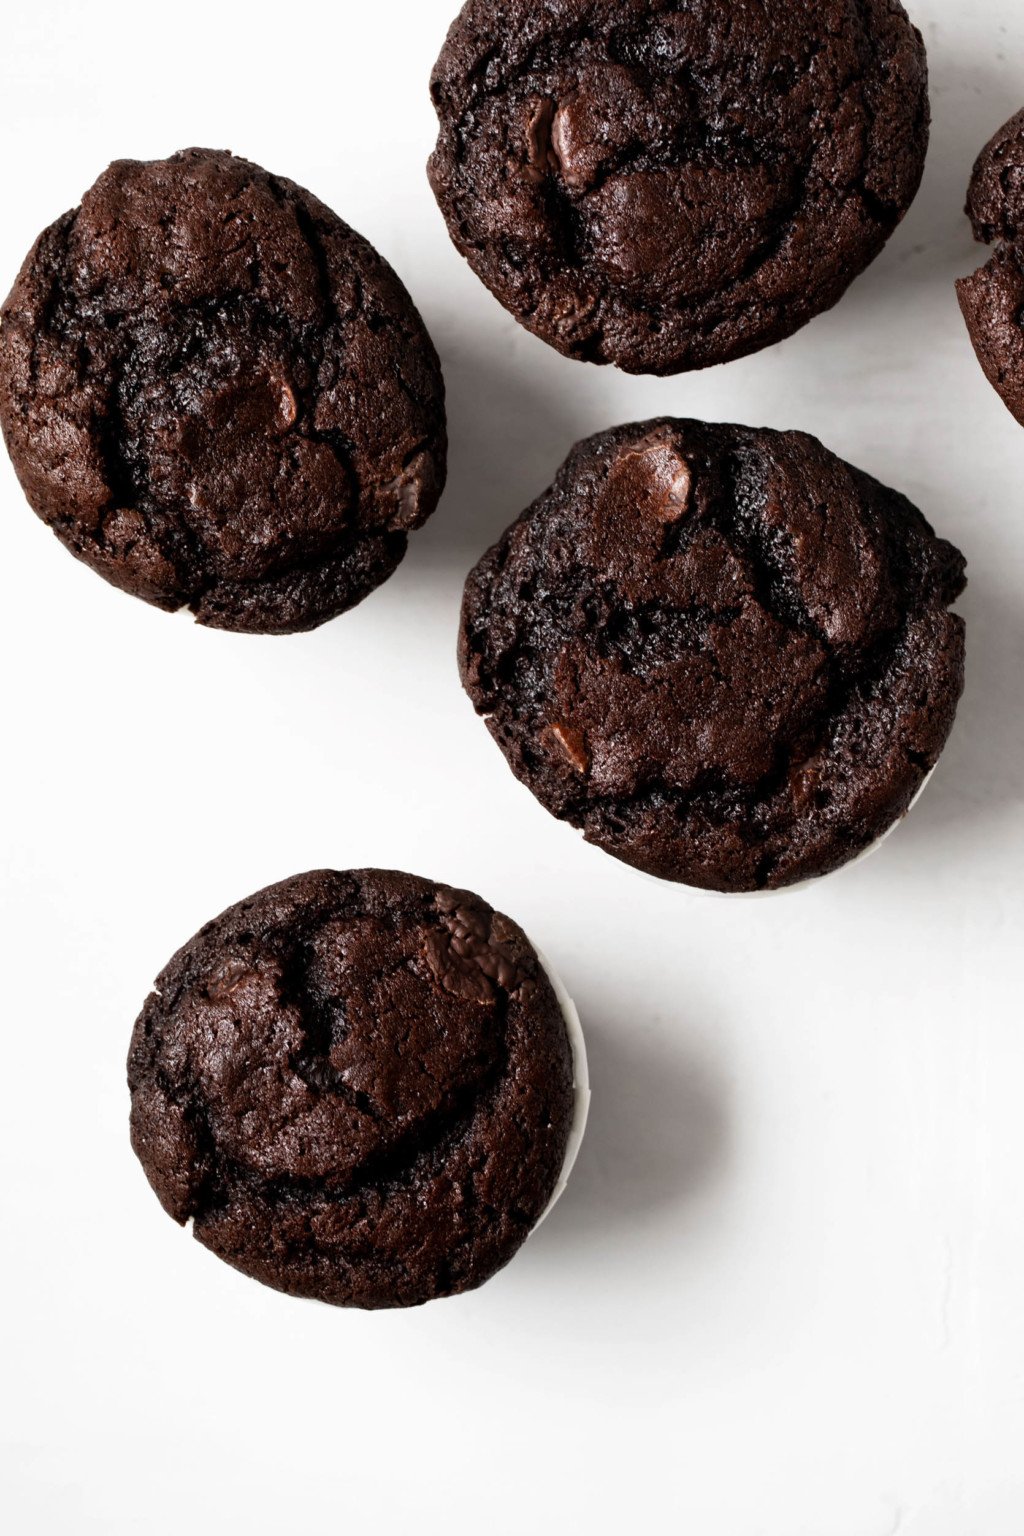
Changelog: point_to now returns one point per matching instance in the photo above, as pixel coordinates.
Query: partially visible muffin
(357, 1086)
(665, 186)
(722, 653)
(992, 300)
(219, 396)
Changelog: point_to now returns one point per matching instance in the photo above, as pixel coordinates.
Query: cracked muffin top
(219, 396)
(722, 653)
(357, 1086)
(664, 187)
(992, 299)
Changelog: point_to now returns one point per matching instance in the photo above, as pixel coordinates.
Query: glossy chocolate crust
(219, 396)
(992, 300)
(664, 187)
(358, 1086)
(722, 653)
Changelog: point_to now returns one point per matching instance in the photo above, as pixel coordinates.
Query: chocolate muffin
(664, 187)
(993, 299)
(219, 396)
(722, 653)
(358, 1087)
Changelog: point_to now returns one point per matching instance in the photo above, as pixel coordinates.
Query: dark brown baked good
(663, 186)
(357, 1086)
(722, 653)
(992, 300)
(219, 396)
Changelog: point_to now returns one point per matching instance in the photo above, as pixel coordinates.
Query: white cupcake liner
(798, 885)
(580, 1084)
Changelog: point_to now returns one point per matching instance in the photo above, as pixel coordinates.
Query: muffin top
(722, 653)
(664, 187)
(358, 1086)
(219, 396)
(995, 198)
(992, 300)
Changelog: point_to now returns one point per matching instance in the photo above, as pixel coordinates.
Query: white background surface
(783, 1295)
